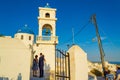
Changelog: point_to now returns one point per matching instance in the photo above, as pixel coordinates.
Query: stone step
(37, 78)
(100, 78)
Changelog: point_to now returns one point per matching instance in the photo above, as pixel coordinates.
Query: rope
(76, 34)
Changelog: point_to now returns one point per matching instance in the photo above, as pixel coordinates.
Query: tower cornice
(48, 9)
(52, 19)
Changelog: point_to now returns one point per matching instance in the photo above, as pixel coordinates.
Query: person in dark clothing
(109, 76)
(117, 75)
(35, 66)
(105, 72)
(41, 65)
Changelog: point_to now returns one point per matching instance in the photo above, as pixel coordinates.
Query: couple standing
(38, 63)
(110, 76)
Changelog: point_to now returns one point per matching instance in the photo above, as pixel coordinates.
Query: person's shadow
(47, 71)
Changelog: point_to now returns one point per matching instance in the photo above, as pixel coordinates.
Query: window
(47, 15)
(29, 37)
(37, 45)
(22, 37)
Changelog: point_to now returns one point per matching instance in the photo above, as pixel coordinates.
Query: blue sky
(71, 14)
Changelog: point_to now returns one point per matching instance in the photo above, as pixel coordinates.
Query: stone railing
(47, 39)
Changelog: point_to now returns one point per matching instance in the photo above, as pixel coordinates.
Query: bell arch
(47, 30)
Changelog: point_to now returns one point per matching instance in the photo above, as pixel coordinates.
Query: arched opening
(47, 15)
(22, 37)
(46, 30)
(29, 37)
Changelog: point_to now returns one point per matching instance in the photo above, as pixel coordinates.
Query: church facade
(45, 43)
(16, 54)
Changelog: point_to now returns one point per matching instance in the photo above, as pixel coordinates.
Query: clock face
(46, 32)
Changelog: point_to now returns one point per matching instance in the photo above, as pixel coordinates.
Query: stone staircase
(100, 78)
(37, 78)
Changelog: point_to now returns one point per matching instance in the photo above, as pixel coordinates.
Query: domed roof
(25, 29)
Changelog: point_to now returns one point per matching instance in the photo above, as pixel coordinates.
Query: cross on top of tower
(47, 5)
(26, 25)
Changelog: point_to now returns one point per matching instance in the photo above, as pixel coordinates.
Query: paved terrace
(36, 78)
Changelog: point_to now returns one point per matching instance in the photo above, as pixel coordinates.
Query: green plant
(1, 35)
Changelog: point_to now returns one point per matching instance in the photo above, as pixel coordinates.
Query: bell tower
(47, 23)
(47, 39)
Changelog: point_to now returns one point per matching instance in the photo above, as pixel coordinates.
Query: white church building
(16, 54)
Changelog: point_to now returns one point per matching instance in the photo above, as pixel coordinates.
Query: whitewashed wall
(78, 63)
(14, 59)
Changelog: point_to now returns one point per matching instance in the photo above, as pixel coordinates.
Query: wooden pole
(99, 43)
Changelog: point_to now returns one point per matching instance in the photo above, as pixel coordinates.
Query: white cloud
(95, 39)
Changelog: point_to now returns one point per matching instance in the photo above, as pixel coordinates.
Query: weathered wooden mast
(99, 43)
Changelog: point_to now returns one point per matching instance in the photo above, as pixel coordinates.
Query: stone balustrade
(49, 39)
